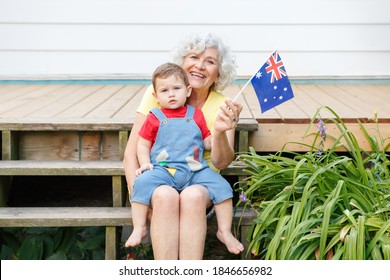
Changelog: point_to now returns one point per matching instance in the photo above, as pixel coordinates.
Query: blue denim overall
(177, 158)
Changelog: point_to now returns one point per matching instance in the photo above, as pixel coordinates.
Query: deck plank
(37, 104)
(111, 107)
(24, 96)
(308, 103)
(115, 103)
(326, 98)
(365, 101)
(9, 89)
(90, 102)
(63, 104)
(15, 92)
(128, 110)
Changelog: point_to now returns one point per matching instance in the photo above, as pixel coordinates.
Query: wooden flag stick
(238, 94)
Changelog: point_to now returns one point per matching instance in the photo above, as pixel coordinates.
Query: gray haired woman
(178, 220)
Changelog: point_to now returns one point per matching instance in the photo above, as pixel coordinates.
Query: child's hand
(145, 166)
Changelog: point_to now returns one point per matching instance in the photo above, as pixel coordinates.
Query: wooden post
(10, 145)
(112, 244)
(123, 137)
(117, 191)
(9, 151)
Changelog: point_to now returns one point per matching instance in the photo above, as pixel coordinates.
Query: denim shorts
(144, 185)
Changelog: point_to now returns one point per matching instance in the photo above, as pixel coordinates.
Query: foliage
(72, 243)
(52, 243)
(144, 251)
(322, 204)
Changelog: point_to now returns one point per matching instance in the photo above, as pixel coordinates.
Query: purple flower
(322, 128)
(243, 198)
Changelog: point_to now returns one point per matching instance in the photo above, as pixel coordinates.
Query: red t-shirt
(150, 127)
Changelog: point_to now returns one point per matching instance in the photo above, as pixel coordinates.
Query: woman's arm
(222, 152)
(130, 160)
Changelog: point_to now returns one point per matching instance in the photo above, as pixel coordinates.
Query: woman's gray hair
(197, 44)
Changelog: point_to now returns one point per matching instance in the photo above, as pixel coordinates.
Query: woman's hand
(228, 117)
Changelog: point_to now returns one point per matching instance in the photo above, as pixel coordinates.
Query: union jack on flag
(275, 66)
(271, 83)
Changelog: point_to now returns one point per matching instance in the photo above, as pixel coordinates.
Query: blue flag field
(271, 83)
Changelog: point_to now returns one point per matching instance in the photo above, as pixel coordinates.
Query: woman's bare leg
(193, 225)
(164, 227)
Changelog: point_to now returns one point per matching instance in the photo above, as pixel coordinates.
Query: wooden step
(84, 216)
(64, 216)
(78, 168)
(110, 217)
(61, 168)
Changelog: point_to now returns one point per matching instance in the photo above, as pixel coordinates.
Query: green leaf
(93, 243)
(31, 249)
(386, 251)
(7, 253)
(66, 240)
(58, 255)
(360, 252)
(380, 232)
(48, 245)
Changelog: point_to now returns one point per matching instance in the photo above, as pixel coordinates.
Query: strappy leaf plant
(323, 204)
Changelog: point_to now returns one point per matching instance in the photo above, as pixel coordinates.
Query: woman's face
(202, 69)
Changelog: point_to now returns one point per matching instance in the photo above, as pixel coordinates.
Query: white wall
(120, 38)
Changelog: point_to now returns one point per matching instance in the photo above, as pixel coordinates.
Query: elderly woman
(178, 220)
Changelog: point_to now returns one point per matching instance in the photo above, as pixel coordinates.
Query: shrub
(322, 204)
(52, 243)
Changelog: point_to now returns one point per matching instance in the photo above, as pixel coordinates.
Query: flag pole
(238, 94)
(242, 89)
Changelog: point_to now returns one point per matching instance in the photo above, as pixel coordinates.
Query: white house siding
(123, 38)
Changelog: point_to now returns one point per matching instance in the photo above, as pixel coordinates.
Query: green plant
(324, 204)
(144, 251)
(52, 243)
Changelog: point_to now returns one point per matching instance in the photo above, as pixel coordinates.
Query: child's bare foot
(136, 237)
(232, 244)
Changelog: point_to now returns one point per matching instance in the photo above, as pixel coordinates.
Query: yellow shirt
(210, 111)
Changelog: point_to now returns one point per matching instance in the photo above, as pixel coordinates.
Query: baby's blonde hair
(167, 70)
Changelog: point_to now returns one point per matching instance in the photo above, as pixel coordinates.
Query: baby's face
(171, 92)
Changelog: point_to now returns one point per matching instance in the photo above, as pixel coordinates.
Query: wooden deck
(82, 130)
(92, 109)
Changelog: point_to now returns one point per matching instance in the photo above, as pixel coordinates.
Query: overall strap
(190, 112)
(158, 113)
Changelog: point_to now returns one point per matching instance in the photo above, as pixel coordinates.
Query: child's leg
(144, 186)
(224, 213)
(139, 212)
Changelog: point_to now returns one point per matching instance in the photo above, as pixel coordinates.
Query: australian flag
(271, 83)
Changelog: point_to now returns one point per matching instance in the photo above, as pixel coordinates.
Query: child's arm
(143, 154)
(207, 142)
